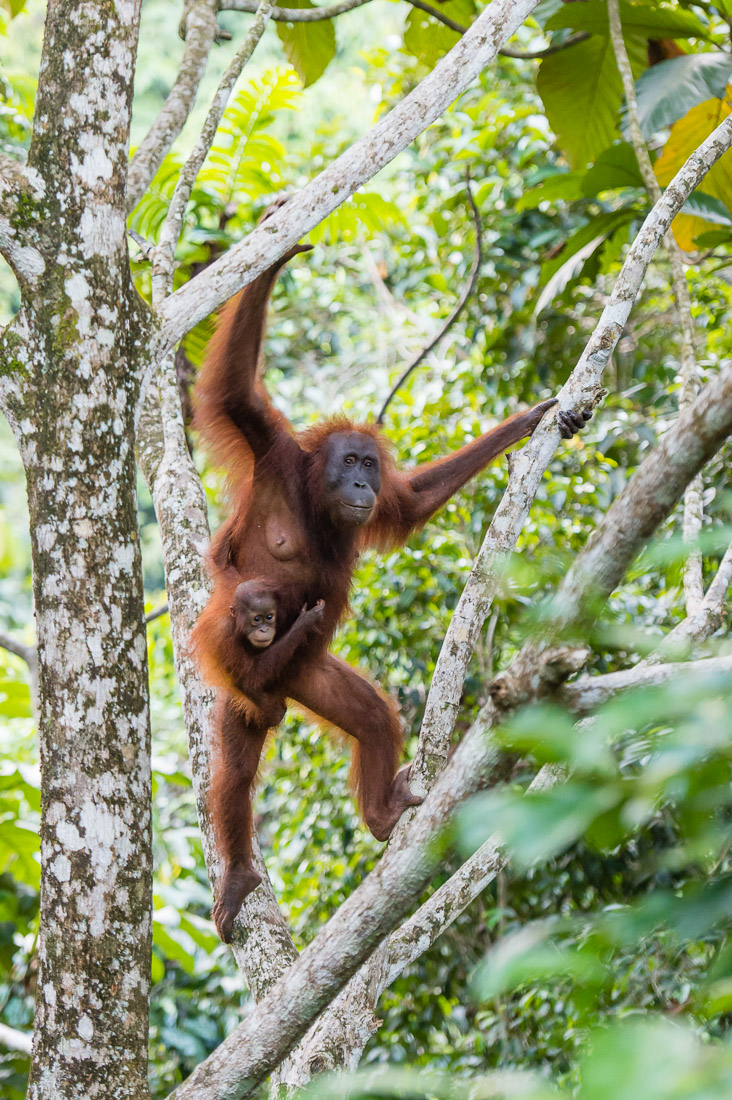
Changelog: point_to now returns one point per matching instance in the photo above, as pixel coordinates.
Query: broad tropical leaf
(309, 47)
(428, 39)
(615, 167)
(686, 136)
(649, 21)
(706, 206)
(594, 234)
(564, 186)
(668, 90)
(582, 93)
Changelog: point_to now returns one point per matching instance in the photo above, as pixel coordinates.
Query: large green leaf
(615, 167)
(582, 93)
(587, 246)
(309, 47)
(668, 90)
(428, 39)
(649, 21)
(563, 186)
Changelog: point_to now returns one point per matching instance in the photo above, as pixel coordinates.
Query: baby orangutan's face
(255, 618)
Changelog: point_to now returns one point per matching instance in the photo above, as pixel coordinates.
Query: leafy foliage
(616, 902)
(309, 47)
(582, 93)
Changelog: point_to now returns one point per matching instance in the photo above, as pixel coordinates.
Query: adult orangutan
(304, 505)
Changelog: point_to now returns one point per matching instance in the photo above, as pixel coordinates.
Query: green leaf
(364, 215)
(309, 47)
(427, 39)
(708, 207)
(666, 91)
(582, 94)
(13, 7)
(596, 230)
(15, 700)
(637, 19)
(245, 158)
(564, 186)
(615, 167)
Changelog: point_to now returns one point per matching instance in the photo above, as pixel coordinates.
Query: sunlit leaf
(686, 136)
(582, 93)
(650, 21)
(427, 38)
(309, 47)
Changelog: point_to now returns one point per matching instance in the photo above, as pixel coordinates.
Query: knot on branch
(535, 673)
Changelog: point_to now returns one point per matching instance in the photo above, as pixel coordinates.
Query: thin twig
(200, 35)
(157, 613)
(18, 648)
(295, 15)
(460, 306)
(164, 256)
(546, 51)
(693, 502)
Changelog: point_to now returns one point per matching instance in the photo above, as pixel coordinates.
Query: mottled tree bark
(74, 363)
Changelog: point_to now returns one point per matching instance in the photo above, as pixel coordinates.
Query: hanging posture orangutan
(304, 505)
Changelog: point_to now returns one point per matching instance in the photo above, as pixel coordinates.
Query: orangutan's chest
(283, 535)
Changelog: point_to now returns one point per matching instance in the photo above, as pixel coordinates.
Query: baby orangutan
(252, 662)
(258, 660)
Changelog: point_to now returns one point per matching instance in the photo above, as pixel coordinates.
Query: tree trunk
(82, 327)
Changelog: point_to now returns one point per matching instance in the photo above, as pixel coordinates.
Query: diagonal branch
(200, 34)
(164, 255)
(361, 162)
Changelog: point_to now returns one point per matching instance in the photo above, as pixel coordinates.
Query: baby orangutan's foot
(381, 824)
(238, 882)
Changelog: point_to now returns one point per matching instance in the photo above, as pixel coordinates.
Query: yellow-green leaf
(686, 136)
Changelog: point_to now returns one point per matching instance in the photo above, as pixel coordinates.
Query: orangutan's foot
(238, 882)
(381, 823)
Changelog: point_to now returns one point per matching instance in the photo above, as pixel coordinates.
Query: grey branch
(545, 51)
(586, 694)
(164, 254)
(26, 653)
(200, 34)
(157, 613)
(295, 15)
(708, 618)
(359, 163)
